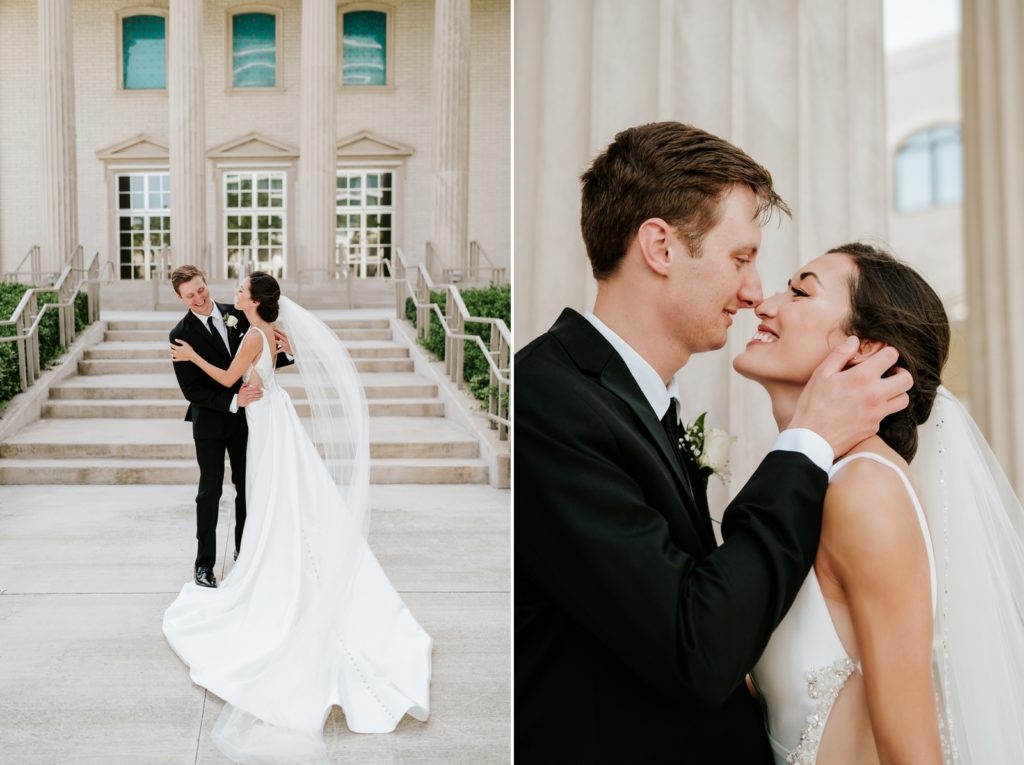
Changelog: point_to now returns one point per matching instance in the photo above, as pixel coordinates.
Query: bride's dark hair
(264, 289)
(893, 303)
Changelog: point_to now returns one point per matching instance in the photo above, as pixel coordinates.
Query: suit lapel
(202, 337)
(234, 335)
(595, 355)
(697, 481)
(617, 378)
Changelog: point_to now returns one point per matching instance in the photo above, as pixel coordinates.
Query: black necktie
(670, 422)
(216, 333)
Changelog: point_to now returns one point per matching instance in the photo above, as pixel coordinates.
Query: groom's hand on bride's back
(845, 404)
(247, 394)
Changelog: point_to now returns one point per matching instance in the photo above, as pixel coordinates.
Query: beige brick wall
(106, 116)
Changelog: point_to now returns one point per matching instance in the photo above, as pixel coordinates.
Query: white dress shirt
(660, 396)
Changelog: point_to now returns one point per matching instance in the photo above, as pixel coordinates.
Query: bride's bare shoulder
(869, 517)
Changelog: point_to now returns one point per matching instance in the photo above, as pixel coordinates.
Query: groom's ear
(652, 239)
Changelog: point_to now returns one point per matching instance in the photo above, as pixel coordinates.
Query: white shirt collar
(658, 395)
(216, 314)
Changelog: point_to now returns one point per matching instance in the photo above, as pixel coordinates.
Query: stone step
(357, 349)
(119, 409)
(166, 325)
(165, 386)
(142, 335)
(150, 366)
(390, 437)
(184, 471)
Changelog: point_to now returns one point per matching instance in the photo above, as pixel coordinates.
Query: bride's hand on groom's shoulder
(182, 351)
(283, 343)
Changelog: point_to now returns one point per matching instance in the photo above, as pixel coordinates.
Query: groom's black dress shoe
(205, 577)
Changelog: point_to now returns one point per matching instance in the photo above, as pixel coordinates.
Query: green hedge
(493, 302)
(49, 335)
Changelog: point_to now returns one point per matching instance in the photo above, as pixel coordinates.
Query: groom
(214, 330)
(633, 629)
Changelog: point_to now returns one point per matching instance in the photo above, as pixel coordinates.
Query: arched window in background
(929, 169)
(143, 52)
(254, 49)
(364, 48)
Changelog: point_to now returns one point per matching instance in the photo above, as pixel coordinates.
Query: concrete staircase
(119, 421)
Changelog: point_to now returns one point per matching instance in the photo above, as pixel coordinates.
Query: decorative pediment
(367, 145)
(253, 146)
(141, 147)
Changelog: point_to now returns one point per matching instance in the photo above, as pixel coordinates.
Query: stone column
(993, 121)
(60, 181)
(317, 117)
(186, 95)
(797, 85)
(451, 132)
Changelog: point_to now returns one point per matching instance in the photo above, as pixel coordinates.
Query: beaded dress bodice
(805, 665)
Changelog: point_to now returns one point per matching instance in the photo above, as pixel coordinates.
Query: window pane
(949, 168)
(913, 178)
(144, 50)
(254, 51)
(364, 48)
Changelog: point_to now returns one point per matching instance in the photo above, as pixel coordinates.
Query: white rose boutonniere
(231, 321)
(710, 449)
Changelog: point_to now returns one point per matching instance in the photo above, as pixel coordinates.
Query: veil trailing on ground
(335, 531)
(977, 528)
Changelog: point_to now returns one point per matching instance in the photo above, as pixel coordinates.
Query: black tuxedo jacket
(633, 631)
(209, 408)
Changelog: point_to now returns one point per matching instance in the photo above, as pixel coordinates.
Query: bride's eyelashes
(797, 292)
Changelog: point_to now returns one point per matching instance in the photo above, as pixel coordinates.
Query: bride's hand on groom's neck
(844, 404)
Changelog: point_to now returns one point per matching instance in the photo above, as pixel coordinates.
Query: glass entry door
(365, 206)
(254, 222)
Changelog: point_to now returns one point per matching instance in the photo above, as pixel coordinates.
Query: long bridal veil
(977, 529)
(335, 527)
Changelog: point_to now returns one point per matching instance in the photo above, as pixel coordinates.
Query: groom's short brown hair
(183, 275)
(664, 170)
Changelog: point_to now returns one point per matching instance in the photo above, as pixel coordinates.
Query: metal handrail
(164, 266)
(27, 315)
(338, 271)
(35, 273)
(415, 282)
(474, 271)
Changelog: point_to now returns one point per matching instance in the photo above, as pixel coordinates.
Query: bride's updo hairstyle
(892, 303)
(264, 289)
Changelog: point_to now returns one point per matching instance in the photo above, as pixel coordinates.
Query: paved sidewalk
(87, 677)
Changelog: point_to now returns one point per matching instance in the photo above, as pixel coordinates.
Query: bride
(906, 641)
(306, 619)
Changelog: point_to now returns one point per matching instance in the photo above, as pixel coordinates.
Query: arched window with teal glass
(254, 52)
(365, 48)
(929, 169)
(143, 52)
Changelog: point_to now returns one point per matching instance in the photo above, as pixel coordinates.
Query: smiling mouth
(763, 337)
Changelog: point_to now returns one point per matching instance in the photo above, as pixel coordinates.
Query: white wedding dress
(973, 527)
(306, 619)
(806, 666)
